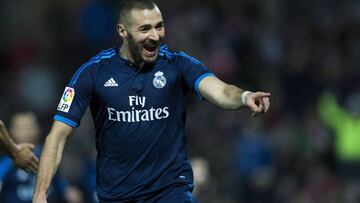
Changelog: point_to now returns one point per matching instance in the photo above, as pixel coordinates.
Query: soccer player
(21, 154)
(136, 93)
(17, 186)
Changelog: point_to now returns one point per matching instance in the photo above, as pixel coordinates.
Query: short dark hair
(126, 6)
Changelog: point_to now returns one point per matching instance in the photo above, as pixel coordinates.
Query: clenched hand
(258, 102)
(25, 158)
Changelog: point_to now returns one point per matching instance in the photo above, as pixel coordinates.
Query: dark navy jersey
(139, 118)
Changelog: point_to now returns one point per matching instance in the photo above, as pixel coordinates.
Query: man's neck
(125, 54)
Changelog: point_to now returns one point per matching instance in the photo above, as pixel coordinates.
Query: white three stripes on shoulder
(111, 83)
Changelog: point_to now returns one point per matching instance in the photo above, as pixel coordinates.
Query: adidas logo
(111, 83)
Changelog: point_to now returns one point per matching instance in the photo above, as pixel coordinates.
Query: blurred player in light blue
(21, 154)
(16, 185)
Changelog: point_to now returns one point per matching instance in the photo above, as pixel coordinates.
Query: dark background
(297, 50)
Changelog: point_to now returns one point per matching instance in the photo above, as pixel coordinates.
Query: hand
(25, 158)
(258, 102)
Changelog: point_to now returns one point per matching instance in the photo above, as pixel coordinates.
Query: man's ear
(121, 30)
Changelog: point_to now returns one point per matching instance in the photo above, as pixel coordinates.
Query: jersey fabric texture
(139, 118)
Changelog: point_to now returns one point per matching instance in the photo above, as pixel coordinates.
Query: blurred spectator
(254, 166)
(346, 127)
(345, 123)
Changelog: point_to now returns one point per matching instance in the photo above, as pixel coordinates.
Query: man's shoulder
(92, 66)
(104, 55)
(98, 59)
(177, 56)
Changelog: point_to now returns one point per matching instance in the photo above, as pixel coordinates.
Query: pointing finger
(261, 94)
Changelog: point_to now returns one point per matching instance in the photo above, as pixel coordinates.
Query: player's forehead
(139, 17)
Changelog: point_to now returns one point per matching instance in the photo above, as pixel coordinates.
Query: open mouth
(150, 50)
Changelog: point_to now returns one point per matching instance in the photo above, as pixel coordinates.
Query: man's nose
(154, 35)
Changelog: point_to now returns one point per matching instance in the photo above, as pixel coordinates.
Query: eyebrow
(148, 26)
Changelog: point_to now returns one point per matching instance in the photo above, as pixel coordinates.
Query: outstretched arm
(50, 159)
(231, 97)
(21, 154)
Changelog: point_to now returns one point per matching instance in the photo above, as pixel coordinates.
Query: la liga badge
(66, 100)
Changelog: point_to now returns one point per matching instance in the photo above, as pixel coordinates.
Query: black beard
(135, 49)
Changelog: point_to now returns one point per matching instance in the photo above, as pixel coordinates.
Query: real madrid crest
(159, 80)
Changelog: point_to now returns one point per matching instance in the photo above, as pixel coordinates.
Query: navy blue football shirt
(139, 118)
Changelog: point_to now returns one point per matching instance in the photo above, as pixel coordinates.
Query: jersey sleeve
(76, 96)
(193, 71)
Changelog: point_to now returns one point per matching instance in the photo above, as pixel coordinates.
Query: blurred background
(305, 52)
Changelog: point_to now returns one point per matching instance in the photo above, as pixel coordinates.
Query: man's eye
(160, 25)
